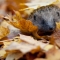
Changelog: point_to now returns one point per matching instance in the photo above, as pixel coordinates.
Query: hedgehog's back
(44, 9)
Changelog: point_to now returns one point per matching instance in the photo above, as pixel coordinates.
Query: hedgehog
(45, 18)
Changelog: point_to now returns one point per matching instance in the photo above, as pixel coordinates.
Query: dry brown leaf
(48, 47)
(53, 54)
(13, 31)
(37, 3)
(7, 42)
(39, 59)
(3, 8)
(2, 50)
(31, 40)
(58, 3)
(3, 32)
(2, 53)
(24, 25)
(14, 55)
(1, 44)
(17, 39)
(14, 4)
(29, 56)
(56, 36)
(57, 25)
(23, 47)
(57, 42)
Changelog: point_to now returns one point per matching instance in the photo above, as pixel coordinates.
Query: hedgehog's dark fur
(45, 18)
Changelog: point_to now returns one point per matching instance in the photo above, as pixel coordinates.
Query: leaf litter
(19, 46)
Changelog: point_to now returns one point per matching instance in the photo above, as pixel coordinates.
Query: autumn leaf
(3, 32)
(39, 59)
(14, 55)
(15, 4)
(52, 54)
(57, 25)
(13, 31)
(56, 36)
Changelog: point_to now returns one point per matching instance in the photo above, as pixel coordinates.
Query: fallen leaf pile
(18, 36)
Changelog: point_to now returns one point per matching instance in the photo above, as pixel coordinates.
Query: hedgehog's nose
(51, 28)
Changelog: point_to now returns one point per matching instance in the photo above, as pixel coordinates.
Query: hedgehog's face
(45, 18)
(45, 22)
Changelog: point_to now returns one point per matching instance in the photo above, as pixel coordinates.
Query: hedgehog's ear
(57, 18)
(58, 14)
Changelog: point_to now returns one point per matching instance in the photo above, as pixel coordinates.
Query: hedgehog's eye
(58, 13)
(34, 17)
(42, 21)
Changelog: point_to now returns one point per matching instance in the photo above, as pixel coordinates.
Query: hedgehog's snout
(51, 28)
(51, 25)
(48, 26)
